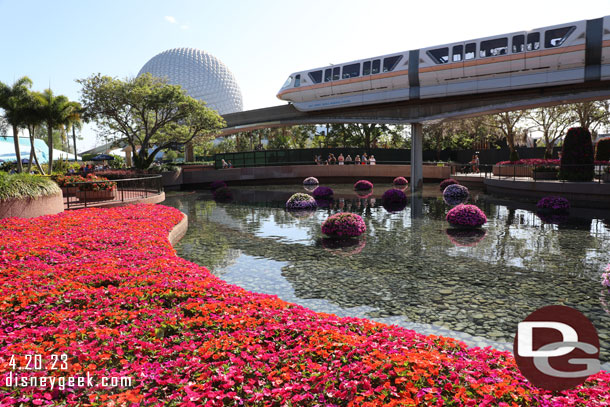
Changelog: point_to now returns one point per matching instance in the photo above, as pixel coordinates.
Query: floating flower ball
(400, 181)
(309, 188)
(301, 201)
(223, 194)
(554, 203)
(310, 181)
(323, 193)
(343, 247)
(394, 200)
(465, 237)
(217, 184)
(324, 202)
(455, 194)
(466, 216)
(302, 214)
(606, 277)
(446, 182)
(344, 224)
(363, 185)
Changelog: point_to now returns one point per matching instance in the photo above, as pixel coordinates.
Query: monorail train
(557, 55)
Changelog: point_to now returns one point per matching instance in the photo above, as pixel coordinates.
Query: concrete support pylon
(417, 178)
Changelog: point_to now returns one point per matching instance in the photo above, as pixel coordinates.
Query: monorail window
(556, 37)
(336, 73)
(328, 76)
(376, 66)
(518, 43)
(288, 82)
(297, 81)
(458, 53)
(316, 76)
(351, 71)
(439, 55)
(366, 68)
(471, 51)
(390, 63)
(533, 41)
(493, 48)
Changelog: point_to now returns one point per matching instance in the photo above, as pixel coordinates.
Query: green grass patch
(26, 186)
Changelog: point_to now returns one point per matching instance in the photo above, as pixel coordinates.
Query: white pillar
(417, 179)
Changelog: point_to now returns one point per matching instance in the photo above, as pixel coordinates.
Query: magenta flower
(554, 203)
(344, 224)
(446, 182)
(300, 201)
(466, 216)
(400, 181)
(323, 193)
(363, 185)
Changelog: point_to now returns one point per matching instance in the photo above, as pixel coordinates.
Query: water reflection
(410, 266)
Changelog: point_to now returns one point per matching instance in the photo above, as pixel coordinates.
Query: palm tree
(74, 121)
(12, 100)
(32, 118)
(56, 113)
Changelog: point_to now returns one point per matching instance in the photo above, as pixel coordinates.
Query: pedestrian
(348, 159)
(224, 164)
(341, 159)
(357, 159)
(372, 160)
(365, 159)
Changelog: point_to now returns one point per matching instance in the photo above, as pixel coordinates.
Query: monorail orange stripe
(475, 62)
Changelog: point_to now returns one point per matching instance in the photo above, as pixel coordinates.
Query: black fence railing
(83, 194)
(537, 172)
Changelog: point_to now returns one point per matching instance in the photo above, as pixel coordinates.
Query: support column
(417, 179)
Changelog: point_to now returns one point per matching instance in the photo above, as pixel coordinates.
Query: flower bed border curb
(32, 207)
(178, 232)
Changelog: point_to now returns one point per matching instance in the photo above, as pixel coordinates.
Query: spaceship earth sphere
(202, 75)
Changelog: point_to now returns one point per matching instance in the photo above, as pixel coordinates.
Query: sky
(261, 42)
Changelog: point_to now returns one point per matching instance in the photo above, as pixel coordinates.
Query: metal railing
(537, 172)
(83, 194)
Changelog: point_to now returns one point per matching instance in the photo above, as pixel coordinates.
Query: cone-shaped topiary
(602, 149)
(577, 156)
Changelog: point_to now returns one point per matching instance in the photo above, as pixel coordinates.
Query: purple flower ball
(301, 201)
(323, 193)
(400, 181)
(310, 181)
(554, 203)
(445, 183)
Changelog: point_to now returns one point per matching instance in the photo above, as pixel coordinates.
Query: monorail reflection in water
(410, 270)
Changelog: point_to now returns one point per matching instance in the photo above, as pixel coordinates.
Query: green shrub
(26, 186)
(602, 150)
(577, 156)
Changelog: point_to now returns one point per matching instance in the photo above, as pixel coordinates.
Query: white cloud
(170, 19)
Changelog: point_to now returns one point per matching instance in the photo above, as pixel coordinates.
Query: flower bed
(217, 185)
(104, 287)
(95, 183)
(400, 181)
(466, 216)
(363, 185)
(455, 194)
(446, 182)
(301, 201)
(344, 224)
(554, 203)
(323, 193)
(310, 181)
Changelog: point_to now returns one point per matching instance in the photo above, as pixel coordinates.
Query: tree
(362, 135)
(508, 124)
(148, 112)
(592, 115)
(12, 100)
(3, 126)
(56, 112)
(32, 119)
(552, 122)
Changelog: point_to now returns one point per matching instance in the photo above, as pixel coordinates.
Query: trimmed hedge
(26, 186)
(602, 149)
(577, 156)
